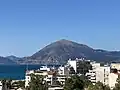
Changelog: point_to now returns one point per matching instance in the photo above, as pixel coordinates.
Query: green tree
(4, 84)
(19, 84)
(101, 86)
(83, 67)
(85, 80)
(92, 87)
(72, 71)
(74, 83)
(9, 84)
(117, 86)
(106, 87)
(37, 83)
(98, 86)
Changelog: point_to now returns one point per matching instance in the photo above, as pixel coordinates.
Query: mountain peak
(71, 43)
(64, 41)
(60, 51)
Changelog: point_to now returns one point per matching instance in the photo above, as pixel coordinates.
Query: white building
(63, 70)
(27, 80)
(42, 71)
(50, 79)
(55, 88)
(99, 73)
(92, 76)
(112, 80)
(50, 76)
(73, 63)
(102, 74)
(92, 73)
(0, 85)
(44, 68)
(115, 66)
(95, 65)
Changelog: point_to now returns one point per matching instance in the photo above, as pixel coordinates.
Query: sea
(16, 72)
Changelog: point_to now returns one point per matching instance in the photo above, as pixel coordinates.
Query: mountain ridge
(60, 51)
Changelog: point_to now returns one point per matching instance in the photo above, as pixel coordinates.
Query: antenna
(27, 66)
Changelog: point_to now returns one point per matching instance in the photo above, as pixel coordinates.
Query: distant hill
(60, 51)
(6, 61)
(13, 58)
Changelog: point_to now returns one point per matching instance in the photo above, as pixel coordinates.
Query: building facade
(112, 80)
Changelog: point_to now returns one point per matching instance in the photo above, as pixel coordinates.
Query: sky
(26, 26)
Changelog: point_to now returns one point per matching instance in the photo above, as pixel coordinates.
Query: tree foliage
(6, 84)
(74, 83)
(98, 86)
(19, 84)
(72, 71)
(83, 67)
(37, 83)
(117, 85)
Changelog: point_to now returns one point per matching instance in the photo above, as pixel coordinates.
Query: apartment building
(99, 73)
(74, 63)
(102, 74)
(0, 85)
(115, 66)
(51, 76)
(105, 74)
(113, 79)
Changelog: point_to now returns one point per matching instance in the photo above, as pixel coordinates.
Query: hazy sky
(26, 26)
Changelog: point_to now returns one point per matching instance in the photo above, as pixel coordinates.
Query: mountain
(60, 51)
(6, 61)
(13, 58)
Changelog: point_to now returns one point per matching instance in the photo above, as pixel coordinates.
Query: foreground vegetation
(74, 83)
(8, 84)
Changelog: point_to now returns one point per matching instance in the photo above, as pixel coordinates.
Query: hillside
(6, 61)
(60, 51)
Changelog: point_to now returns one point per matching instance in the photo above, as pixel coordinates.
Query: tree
(92, 87)
(83, 67)
(117, 86)
(37, 83)
(4, 85)
(19, 84)
(9, 84)
(72, 71)
(74, 83)
(98, 86)
(106, 87)
(85, 80)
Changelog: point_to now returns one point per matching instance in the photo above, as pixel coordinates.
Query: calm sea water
(15, 71)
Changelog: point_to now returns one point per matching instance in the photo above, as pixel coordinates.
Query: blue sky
(26, 26)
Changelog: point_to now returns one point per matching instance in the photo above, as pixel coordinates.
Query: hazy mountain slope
(13, 58)
(6, 61)
(60, 51)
